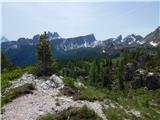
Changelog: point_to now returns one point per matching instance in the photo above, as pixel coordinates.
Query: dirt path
(43, 100)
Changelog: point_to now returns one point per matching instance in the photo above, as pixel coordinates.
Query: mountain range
(23, 51)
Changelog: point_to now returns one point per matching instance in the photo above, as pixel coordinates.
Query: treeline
(111, 72)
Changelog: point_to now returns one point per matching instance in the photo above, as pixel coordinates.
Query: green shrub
(83, 113)
(116, 114)
(91, 93)
(73, 113)
(69, 82)
(15, 92)
(46, 117)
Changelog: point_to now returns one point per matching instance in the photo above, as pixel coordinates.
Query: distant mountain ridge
(25, 48)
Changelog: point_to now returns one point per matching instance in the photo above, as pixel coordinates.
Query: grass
(142, 101)
(116, 114)
(8, 76)
(46, 117)
(15, 92)
(69, 82)
(91, 93)
(73, 113)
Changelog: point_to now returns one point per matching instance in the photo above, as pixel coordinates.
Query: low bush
(46, 117)
(116, 114)
(69, 82)
(73, 113)
(91, 93)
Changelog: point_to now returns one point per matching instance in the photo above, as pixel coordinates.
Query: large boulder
(53, 82)
(57, 80)
(130, 69)
(138, 79)
(152, 82)
(137, 82)
(142, 79)
(78, 85)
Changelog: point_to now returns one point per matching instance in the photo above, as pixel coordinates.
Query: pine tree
(93, 73)
(44, 55)
(107, 76)
(5, 63)
(120, 75)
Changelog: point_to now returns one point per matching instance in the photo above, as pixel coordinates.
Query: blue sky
(69, 19)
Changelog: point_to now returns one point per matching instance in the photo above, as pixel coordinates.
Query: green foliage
(46, 117)
(69, 82)
(120, 75)
(117, 114)
(147, 102)
(91, 93)
(44, 56)
(6, 63)
(83, 113)
(15, 92)
(73, 113)
(100, 72)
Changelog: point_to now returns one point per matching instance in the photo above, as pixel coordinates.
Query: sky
(104, 19)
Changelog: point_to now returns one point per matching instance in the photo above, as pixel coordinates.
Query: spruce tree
(5, 62)
(44, 55)
(120, 75)
(107, 76)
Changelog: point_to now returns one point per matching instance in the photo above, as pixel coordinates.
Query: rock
(134, 112)
(138, 80)
(152, 82)
(130, 69)
(149, 81)
(51, 83)
(131, 66)
(57, 80)
(78, 84)
(44, 86)
(25, 78)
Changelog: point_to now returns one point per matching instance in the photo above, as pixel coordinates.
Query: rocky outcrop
(138, 80)
(130, 69)
(149, 80)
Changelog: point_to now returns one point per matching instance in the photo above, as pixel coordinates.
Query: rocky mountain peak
(3, 39)
(133, 39)
(118, 39)
(153, 38)
(53, 35)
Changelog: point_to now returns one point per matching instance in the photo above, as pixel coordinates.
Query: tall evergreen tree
(5, 63)
(93, 74)
(44, 55)
(107, 76)
(120, 75)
